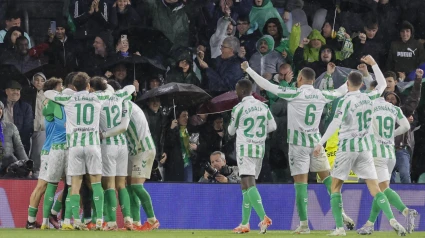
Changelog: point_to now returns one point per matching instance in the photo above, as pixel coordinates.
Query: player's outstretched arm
(122, 127)
(127, 91)
(380, 79)
(262, 82)
(57, 97)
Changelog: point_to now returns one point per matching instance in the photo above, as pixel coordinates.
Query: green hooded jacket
(259, 15)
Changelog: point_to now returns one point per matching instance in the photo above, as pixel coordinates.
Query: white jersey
(138, 135)
(82, 111)
(355, 111)
(111, 113)
(305, 108)
(384, 118)
(252, 121)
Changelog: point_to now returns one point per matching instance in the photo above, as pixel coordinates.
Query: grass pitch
(22, 233)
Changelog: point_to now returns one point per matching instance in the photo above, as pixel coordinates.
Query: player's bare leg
(325, 176)
(301, 199)
(35, 198)
(145, 199)
(124, 200)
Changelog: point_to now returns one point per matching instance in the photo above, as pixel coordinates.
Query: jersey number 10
(87, 115)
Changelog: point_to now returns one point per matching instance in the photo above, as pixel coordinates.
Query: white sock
(137, 223)
(54, 212)
(304, 223)
(87, 220)
(77, 222)
(128, 219)
(369, 223)
(31, 219)
(67, 221)
(405, 212)
(112, 223)
(45, 221)
(99, 220)
(152, 220)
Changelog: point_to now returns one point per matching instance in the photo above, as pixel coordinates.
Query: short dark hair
(13, 13)
(405, 25)
(21, 38)
(98, 83)
(51, 84)
(245, 84)
(114, 84)
(391, 74)
(243, 18)
(355, 78)
(373, 84)
(371, 21)
(308, 73)
(80, 81)
(69, 78)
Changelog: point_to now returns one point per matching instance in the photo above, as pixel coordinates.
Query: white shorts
(301, 160)
(114, 160)
(54, 166)
(360, 162)
(85, 160)
(249, 166)
(384, 167)
(140, 165)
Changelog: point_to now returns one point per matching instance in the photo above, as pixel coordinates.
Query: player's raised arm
(380, 79)
(127, 91)
(403, 123)
(125, 121)
(57, 97)
(285, 93)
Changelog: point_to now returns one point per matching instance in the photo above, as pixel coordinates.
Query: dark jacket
(374, 47)
(278, 142)
(223, 75)
(63, 55)
(22, 63)
(92, 64)
(29, 95)
(174, 165)
(209, 141)
(22, 121)
(405, 57)
(288, 5)
(157, 125)
(249, 41)
(124, 20)
(13, 148)
(89, 25)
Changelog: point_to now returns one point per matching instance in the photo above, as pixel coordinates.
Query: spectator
(21, 58)
(157, 121)
(16, 111)
(119, 74)
(183, 71)
(179, 150)
(266, 61)
(261, 12)
(12, 148)
(9, 44)
(247, 41)
(123, 16)
(225, 28)
(92, 62)
(91, 17)
(212, 137)
(392, 81)
(34, 96)
(13, 19)
(222, 77)
(283, 78)
(274, 29)
(407, 53)
(63, 49)
(288, 6)
(225, 173)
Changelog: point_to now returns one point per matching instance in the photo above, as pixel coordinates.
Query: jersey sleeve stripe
(288, 95)
(238, 117)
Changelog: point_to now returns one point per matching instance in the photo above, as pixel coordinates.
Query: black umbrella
(9, 72)
(178, 94)
(48, 70)
(134, 59)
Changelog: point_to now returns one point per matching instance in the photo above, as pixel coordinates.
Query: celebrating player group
(367, 127)
(94, 130)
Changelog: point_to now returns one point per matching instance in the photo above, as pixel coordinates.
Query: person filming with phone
(218, 171)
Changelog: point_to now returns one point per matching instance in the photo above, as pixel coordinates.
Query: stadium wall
(216, 206)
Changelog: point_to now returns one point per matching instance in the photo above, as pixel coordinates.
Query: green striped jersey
(111, 113)
(138, 135)
(305, 108)
(355, 111)
(82, 111)
(384, 118)
(251, 121)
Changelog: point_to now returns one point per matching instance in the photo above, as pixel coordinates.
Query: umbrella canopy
(9, 72)
(224, 102)
(178, 94)
(134, 59)
(47, 69)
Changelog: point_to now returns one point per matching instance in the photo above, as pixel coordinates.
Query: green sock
(56, 207)
(383, 203)
(134, 205)
(98, 199)
(256, 203)
(328, 182)
(124, 199)
(49, 198)
(301, 198)
(336, 204)
(93, 213)
(111, 197)
(394, 199)
(246, 208)
(145, 199)
(75, 205)
(106, 214)
(68, 207)
(374, 212)
(32, 214)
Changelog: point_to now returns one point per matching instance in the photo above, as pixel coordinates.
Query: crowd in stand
(204, 42)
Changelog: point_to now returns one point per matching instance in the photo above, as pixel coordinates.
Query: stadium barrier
(217, 206)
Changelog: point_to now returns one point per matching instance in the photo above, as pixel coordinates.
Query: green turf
(22, 233)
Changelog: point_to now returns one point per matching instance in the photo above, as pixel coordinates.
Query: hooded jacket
(268, 62)
(220, 34)
(178, 76)
(259, 15)
(92, 63)
(405, 56)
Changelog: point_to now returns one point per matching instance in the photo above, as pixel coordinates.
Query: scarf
(184, 143)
